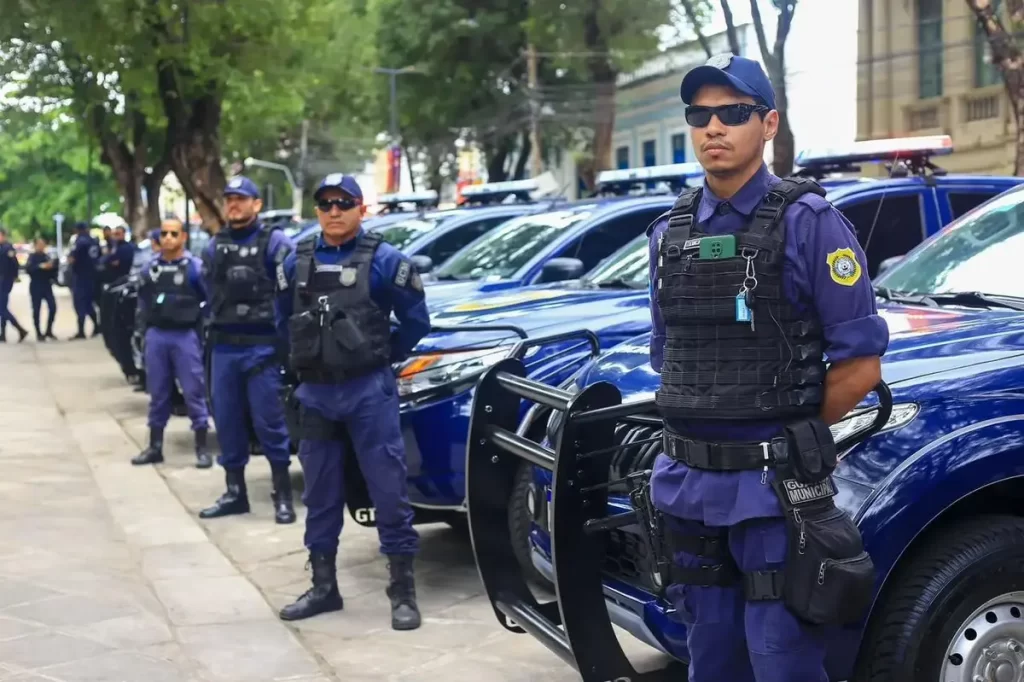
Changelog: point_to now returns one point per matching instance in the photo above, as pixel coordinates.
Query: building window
(650, 155)
(679, 148)
(622, 157)
(929, 42)
(985, 72)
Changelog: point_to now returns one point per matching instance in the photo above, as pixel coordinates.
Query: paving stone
(199, 601)
(69, 610)
(185, 560)
(118, 667)
(48, 648)
(256, 651)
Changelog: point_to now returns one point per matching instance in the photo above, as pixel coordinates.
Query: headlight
(902, 415)
(427, 372)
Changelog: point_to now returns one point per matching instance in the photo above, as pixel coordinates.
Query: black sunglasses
(344, 204)
(728, 114)
(168, 233)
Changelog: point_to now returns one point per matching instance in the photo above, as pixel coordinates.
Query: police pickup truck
(930, 470)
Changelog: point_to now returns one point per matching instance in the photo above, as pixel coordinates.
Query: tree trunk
(783, 148)
(602, 75)
(525, 149)
(497, 155)
(152, 184)
(1006, 54)
(730, 29)
(691, 16)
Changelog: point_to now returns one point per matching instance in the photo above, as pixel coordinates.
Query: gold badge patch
(843, 266)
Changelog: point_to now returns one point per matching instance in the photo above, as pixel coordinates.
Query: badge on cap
(235, 184)
(720, 61)
(334, 179)
(348, 277)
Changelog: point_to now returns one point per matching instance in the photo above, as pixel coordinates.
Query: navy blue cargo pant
(5, 314)
(732, 639)
(39, 295)
(368, 407)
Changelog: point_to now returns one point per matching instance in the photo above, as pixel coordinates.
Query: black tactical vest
(768, 366)
(243, 293)
(173, 302)
(337, 332)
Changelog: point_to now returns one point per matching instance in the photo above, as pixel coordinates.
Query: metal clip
(767, 457)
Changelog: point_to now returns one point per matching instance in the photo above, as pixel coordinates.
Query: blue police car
(930, 469)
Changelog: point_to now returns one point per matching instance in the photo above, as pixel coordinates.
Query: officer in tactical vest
(241, 265)
(754, 281)
(8, 276)
(170, 309)
(340, 290)
(42, 271)
(82, 260)
(120, 255)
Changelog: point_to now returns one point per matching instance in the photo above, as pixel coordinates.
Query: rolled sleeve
(840, 290)
(657, 323)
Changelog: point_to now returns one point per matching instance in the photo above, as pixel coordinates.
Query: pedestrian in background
(42, 272)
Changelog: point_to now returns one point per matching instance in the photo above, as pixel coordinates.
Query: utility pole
(393, 75)
(531, 67)
(300, 172)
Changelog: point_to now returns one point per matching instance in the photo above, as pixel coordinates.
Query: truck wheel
(955, 612)
(520, 517)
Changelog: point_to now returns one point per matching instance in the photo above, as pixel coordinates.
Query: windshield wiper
(979, 298)
(901, 297)
(446, 278)
(618, 283)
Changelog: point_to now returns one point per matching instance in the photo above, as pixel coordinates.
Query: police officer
(754, 279)
(8, 276)
(242, 265)
(171, 297)
(341, 289)
(120, 255)
(42, 271)
(83, 259)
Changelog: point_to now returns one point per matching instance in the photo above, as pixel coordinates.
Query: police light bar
(675, 171)
(506, 188)
(425, 197)
(896, 149)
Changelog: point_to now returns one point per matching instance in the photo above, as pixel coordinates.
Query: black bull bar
(576, 625)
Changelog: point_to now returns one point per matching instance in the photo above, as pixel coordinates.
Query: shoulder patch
(282, 281)
(817, 204)
(402, 276)
(843, 267)
(11, 254)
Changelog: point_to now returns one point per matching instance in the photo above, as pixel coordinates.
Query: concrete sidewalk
(116, 569)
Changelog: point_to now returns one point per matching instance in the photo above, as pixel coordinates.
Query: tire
(519, 521)
(938, 594)
(458, 522)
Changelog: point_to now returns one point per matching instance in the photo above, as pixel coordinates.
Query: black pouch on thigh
(304, 335)
(314, 426)
(811, 450)
(828, 578)
(345, 346)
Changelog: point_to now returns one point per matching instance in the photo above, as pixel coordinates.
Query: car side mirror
(561, 269)
(888, 263)
(424, 264)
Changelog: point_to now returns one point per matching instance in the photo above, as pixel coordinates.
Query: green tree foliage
(43, 165)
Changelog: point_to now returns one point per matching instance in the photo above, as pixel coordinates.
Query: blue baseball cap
(346, 183)
(81, 226)
(740, 73)
(242, 186)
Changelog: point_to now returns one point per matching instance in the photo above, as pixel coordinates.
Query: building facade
(650, 129)
(924, 68)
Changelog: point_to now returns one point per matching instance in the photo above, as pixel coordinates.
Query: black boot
(22, 333)
(203, 460)
(405, 615)
(320, 598)
(235, 499)
(284, 512)
(154, 454)
(40, 337)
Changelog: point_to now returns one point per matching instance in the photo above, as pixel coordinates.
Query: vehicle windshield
(404, 232)
(501, 252)
(979, 253)
(627, 268)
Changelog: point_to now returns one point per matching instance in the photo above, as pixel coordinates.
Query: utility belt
(828, 577)
(218, 337)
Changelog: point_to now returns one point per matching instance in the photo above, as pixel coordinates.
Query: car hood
(441, 294)
(924, 343)
(612, 314)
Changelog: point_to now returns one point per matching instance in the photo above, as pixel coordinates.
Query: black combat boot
(320, 598)
(284, 512)
(405, 615)
(154, 454)
(203, 460)
(235, 499)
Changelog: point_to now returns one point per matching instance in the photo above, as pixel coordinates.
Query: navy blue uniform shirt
(40, 280)
(848, 314)
(407, 301)
(86, 254)
(278, 248)
(119, 261)
(8, 266)
(195, 280)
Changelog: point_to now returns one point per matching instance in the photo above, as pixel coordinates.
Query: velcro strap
(796, 377)
(723, 456)
(810, 395)
(719, 575)
(704, 546)
(763, 585)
